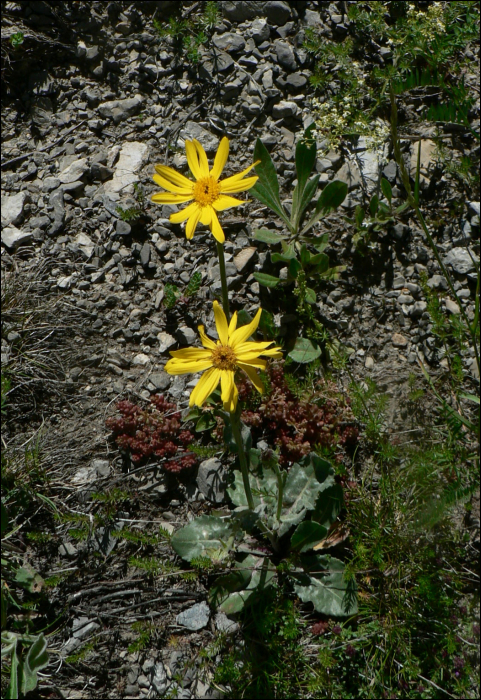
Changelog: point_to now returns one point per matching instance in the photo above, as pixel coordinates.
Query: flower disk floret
(221, 359)
(210, 194)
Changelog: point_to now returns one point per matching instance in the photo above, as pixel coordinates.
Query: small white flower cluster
(432, 20)
(334, 120)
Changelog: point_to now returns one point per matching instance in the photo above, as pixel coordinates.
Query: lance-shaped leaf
(386, 189)
(329, 505)
(267, 236)
(323, 584)
(266, 280)
(266, 189)
(304, 351)
(204, 536)
(320, 262)
(301, 490)
(331, 197)
(231, 592)
(299, 207)
(305, 159)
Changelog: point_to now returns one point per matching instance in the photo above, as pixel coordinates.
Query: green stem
(236, 432)
(223, 279)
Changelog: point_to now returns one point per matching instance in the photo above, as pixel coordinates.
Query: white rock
(85, 244)
(131, 159)
(141, 359)
(13, 237)
(12, 208)
(74, 171)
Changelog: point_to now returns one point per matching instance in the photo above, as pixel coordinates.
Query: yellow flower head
(221, 359)
(210, 194)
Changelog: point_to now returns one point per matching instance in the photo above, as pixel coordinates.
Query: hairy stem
(223, 279)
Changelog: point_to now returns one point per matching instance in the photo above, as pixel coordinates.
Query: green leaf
(305, 156)
(267, 325)
(204, 536)
(252, 574)
(324, 586)
(205, 422)
(304, 351)
(301, 490)
(263, 484)
(359, 215)
(329, 505)
(294, 268)
(310, 296)
(333, 273)
(305, 256)
(374, 205)
(307, 535)
(386, 189)
(300, 205)
(243, 318)
(402, 207)
(260, 192)
(320, 262)
(266, 236)
(37, 658)
(470, 397)
(320, 243)
(331, 197)
(384, 210)
(266, 280)
(266, 189)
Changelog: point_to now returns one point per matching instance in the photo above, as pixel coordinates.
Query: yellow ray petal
(206, 216)
(223, 202)
(205, 340)
(252, 361)
(163, 182)
(192, 223)
(205, 386)
(252, 347)
(216, 228)
(203, 162)
(170, 198)
(233, 403)
(184, 214)
(175, 366)
(221, 323)
(233, 323)
(193, 160)
(241, 334)
(227, 385)
(174, 177)
(253, 376)
(220, 158)
(191, 354)
(239, 185)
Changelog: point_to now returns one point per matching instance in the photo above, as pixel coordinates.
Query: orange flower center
(206, 190)
(223, 357)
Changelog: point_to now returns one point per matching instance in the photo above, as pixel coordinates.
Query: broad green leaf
(331, 197)
(320, 243)
(260, 192)
(266, 236)
(301, 490)
(470, 397)
(36, 658)
(402, 207)
(333, 273)
(252, 574)
(294, 268)
(285, 256)
(263, 486)
(205, 422)
(324, 586)
(328, 506)
(386, 189)
(267, 325)
(310, 296)
(374, 205)
(202, 537)
(383, 209)
(305, 255)
(266, 280)
(304, 351)
(243, 318)
(307, 535)
(322, 468)
(359, 215)
(28, 578)
(320, 262)
(305, 156)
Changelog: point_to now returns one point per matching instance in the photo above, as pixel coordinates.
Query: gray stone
(369, 362)
(473, 208)
(211, 66)
(285, 108)
(285, 55)
(13, 237)
(85, 244)
(350, 174)
(224, 624)
(192, 130)
(460, 260)
(229, 41)
(68, 550)
(260, 30)
(312, 18)
(145, 255)
(212, 479)
(245, 258)
(405, 299)
(437, 282)
(159, 680)
(399, 341)
(417, 309)
(194, 618)
(131, 158)
(141, 360)
(277, 12)
(50, 183)
(240, 11)
(74, 171)
(295, 83)
(186, 336)
(83, 627)
(400, 231)
(122, 228)
(166, 341)
(56, 200)
(398, 282)
(160, 380)
(100, 172)
(451, 306)
(118, 110)
(12, 208)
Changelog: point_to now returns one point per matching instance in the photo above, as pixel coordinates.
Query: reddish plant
(156, 430)
(296, 425)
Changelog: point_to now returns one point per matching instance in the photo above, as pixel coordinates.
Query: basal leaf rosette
(209, 192)
(221, 359)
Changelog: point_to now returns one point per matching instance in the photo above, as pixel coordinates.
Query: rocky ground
(93, 100)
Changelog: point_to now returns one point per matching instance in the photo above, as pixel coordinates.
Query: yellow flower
(210, 194)
(221, 359)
